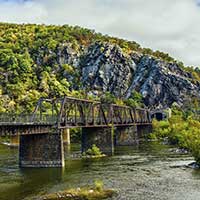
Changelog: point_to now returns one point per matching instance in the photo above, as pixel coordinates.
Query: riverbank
(180, 130)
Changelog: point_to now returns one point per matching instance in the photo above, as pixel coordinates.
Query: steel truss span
(70, 112)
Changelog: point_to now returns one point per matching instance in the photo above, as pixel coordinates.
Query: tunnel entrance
(159, 116)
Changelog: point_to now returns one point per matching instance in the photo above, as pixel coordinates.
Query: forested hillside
(47, 61)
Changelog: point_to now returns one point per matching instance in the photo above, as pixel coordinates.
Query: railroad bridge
(41, 133)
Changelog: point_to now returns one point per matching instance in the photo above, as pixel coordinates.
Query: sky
(172, 26)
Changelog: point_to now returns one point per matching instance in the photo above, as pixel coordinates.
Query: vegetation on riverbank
(182, 130)
(96, 192)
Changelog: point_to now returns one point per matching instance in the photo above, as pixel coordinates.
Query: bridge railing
(45, 118)
(7, 118)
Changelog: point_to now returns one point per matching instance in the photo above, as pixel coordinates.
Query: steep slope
(107, 68)
(46, 61)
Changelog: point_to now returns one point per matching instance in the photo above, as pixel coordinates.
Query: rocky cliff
(105, 67)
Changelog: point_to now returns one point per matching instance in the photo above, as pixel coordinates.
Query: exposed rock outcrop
(107, 68)
(161, 84)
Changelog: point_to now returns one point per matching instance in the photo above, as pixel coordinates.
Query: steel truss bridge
(69, 112)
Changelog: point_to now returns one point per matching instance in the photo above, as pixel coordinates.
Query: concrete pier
(66, 136)
(41, 150)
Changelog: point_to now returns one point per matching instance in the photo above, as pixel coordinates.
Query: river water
(150, 171)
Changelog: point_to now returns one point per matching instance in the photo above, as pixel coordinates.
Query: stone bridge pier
(46, 149)
(126, 136)
(102, 137)
(41, 150)
(105, 138)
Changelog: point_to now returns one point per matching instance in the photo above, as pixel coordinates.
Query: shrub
(98, 185)
(135, 100)
(180, 131)
(108, 98)
(161, 129)
(94, 151)
(192, 137)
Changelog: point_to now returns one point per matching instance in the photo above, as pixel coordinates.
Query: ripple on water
(152, 171)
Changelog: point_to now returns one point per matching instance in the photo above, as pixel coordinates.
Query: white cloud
(22, 12)
(167, 25)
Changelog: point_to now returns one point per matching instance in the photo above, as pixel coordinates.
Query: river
(150, 171)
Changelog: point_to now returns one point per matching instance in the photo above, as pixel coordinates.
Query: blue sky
(172, 26)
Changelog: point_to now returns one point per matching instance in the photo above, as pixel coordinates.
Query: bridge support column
(126, 136)
(102, 137)
(14, 140)
(41, 150)
(144, 130)
(66, 136)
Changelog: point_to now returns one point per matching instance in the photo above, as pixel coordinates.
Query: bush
(98, 185)
(94, 151)
(75, 134)
(108, 98)
(180, 131)
(161, 129)
(192, 137)
(135, 100)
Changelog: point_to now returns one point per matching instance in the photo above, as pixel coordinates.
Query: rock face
(105, 67)
(66, 54)
(161, 84)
